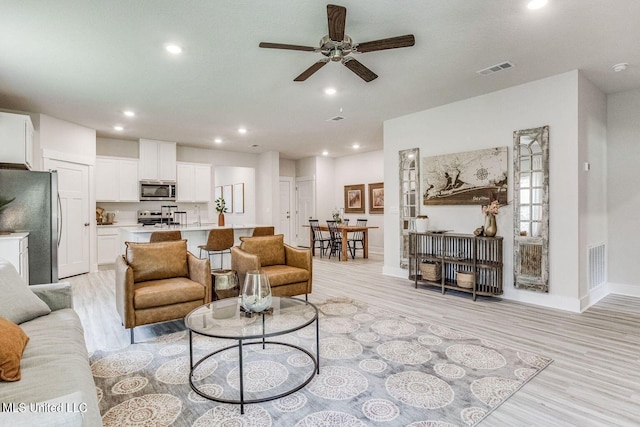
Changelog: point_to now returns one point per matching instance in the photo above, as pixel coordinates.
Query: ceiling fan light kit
(337, 46)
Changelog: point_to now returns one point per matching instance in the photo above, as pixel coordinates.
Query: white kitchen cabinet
(157, 160)
(193, 182)
(16, 139)
(108, 244)
(14, 248)
(116, 179)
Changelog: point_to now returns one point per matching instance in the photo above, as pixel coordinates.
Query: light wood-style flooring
(593, 381)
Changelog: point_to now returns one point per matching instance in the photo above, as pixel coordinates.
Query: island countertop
(184, 228)
(195, 235)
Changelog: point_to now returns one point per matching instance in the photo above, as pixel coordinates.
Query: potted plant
(221, 209)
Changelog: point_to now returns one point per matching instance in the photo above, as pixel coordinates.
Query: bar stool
(263, 231)
(219, 241)
(165, 236)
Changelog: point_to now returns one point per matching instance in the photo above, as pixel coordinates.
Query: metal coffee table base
(242, 401)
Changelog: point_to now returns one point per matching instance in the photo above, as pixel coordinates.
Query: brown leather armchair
(157, 282)
(289, 269)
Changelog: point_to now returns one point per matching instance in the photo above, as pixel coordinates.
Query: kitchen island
(195, 235)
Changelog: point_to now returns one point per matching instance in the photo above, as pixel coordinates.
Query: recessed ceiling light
(242, 130)
(118, 128)
(356, 146)
(173, 49)
(325, 153)
(129, 113)
(411, 156)
(218, 140)
(536, 4)
(330, 91)
(620, 67)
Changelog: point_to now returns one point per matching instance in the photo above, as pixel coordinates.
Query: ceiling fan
(337, 46)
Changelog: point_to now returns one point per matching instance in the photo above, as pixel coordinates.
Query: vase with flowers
(221, 209)
(336, 216)
(490, 212)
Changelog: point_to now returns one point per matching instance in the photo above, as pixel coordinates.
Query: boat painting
(469, 178)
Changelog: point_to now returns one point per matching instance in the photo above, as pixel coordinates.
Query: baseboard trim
(594, 296)
(395, 272)
(624, 289)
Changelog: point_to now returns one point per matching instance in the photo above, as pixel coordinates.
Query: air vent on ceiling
(335, 119)
(495, 68)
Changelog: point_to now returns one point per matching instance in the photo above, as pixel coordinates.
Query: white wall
(365, 168)
(235, 175)
(268, 189)
(623, 193)
(325, 188)
(592, 150)
(117, 148)
(489, 121)
(287, 167)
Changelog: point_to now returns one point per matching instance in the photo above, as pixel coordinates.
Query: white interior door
(305, 208)
(73, 189)
(285, 228)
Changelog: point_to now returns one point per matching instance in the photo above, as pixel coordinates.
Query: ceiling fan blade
(337, 17)
(309, 71)
(286, 46)
(363, 72)
(391, 43)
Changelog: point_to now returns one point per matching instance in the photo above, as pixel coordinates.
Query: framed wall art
(469, 178)
(238, 198)
(227, 195)
(218, 193)
(354, 198)
(376, 198)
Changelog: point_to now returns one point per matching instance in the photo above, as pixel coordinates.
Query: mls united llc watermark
(44, 407)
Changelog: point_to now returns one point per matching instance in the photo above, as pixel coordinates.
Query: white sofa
(55, 366)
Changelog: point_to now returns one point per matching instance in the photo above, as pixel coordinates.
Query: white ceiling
(85, 61)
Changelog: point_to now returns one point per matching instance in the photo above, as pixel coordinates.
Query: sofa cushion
(156, 293)
(13, 340)
(270, 249)
(54, 364)
(156, 261)
(284, 275)
(17, 302)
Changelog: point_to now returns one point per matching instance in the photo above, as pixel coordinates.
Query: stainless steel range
(165, 216)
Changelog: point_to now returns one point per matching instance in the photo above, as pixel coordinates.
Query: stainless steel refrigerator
(34, 210)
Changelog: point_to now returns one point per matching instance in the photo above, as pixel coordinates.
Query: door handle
(86, 224)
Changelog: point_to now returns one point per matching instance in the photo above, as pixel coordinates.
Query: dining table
(344, 230)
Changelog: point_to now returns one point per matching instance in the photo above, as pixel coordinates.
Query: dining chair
(357, 237)
(335, 235)
(219, 242)
(318, 238)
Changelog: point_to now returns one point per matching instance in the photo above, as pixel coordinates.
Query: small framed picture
(376, 198)
(238, 198)
(354, 198)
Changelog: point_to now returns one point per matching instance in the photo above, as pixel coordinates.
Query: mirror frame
(531, 252)
(409, 191)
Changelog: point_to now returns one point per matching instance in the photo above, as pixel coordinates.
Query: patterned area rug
(376, 368)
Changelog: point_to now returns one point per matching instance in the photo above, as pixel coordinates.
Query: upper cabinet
(16, 140)
(193, 182)
(157, 160)
(116, 179)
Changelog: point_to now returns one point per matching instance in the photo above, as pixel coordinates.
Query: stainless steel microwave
(158, 190)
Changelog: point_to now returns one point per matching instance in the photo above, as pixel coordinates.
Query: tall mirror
(409, 186)
(531, 209)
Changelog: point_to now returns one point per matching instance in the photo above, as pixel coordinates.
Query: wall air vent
(495, 68)
(335, 119)
(597, 265)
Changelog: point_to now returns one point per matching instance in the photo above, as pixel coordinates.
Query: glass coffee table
(223, 319)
